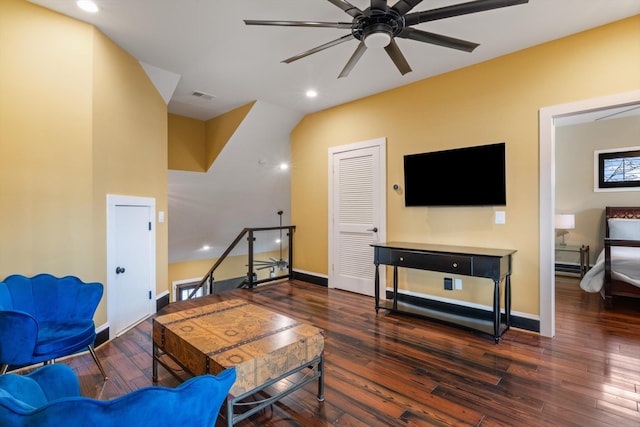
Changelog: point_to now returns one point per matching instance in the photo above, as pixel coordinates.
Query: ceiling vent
(202, 95)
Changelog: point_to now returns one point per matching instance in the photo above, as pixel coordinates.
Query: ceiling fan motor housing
(377, 28)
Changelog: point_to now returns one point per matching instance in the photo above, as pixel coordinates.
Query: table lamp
(564, 222)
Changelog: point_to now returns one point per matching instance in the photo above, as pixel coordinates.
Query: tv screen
(471, 176)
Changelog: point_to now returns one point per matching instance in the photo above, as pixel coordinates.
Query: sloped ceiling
(244, 187)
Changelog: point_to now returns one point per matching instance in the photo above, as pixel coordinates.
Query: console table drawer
(447, 263)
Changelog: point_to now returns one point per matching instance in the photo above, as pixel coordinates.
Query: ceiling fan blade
(437, 39)
(319, 48)
(379, 5)
(459, 9)
(347, 7)
(353, 60)
(397, 57)
(404, 6)
(341, 25)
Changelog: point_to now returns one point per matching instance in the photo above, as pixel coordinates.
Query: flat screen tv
(470, 176)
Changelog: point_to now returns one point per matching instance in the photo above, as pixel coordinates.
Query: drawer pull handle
(455, 265)
(401, 258)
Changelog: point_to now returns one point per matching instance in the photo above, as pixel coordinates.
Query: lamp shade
(565, 222)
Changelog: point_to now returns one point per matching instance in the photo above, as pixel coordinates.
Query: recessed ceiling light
(206, 247)
(284, 166)
(87, 6)
(311, 93)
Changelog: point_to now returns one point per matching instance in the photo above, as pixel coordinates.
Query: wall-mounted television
(470, 176)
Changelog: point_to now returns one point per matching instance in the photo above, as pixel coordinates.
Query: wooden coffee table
(264, 347)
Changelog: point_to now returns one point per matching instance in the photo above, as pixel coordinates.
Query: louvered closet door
(356, 216)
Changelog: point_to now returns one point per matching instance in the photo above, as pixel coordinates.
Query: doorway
(547, 193)
(131, 261)
(357, 213)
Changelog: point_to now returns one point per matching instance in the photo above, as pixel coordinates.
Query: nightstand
(582, 250)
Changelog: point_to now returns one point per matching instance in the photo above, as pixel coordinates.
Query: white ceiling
(203, 45)
(206, 44)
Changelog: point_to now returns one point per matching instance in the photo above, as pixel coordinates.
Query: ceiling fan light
(88, 6)
(377, 40)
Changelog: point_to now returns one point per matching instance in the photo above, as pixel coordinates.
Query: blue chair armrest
(18, 337)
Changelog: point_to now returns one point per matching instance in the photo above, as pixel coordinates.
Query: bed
(616, 271)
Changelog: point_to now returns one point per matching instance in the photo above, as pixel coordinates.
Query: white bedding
(625, 266)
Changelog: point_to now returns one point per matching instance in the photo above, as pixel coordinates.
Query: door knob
(119, 270)
(374, 229)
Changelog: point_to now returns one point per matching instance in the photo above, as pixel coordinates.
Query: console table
(494, 264)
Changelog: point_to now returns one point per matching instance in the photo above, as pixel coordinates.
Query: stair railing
(251, 279)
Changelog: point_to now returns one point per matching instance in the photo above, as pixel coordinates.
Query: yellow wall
(45, 134)
(79, 119)
(186, 144)
(494, 101)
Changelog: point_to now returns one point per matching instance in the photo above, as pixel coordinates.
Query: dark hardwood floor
(388, 370)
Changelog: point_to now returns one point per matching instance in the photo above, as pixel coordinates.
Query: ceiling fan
(378, 25)
(272, 263)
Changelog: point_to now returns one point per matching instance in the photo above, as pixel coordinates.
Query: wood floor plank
(387, 369)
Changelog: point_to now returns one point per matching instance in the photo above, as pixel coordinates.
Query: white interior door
(357, 213)
(131, 264)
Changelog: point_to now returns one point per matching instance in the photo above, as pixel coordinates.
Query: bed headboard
(632, 212)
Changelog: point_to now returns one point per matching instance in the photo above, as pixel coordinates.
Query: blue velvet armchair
(46, 317)
(50, 396)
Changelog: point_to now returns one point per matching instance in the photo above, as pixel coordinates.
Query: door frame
(547, 147)
(113, 201)
(381, 144)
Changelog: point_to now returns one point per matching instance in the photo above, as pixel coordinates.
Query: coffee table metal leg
(230, 411)
(232, 401)
(154, 374)
(321, 378)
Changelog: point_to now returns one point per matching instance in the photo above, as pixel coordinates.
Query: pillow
(626, 229)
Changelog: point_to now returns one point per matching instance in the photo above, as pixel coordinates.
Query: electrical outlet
(501, 217)
(457, 284)
(448, 284)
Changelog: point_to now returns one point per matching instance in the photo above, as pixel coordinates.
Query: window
(617, 170)
(183, 291)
